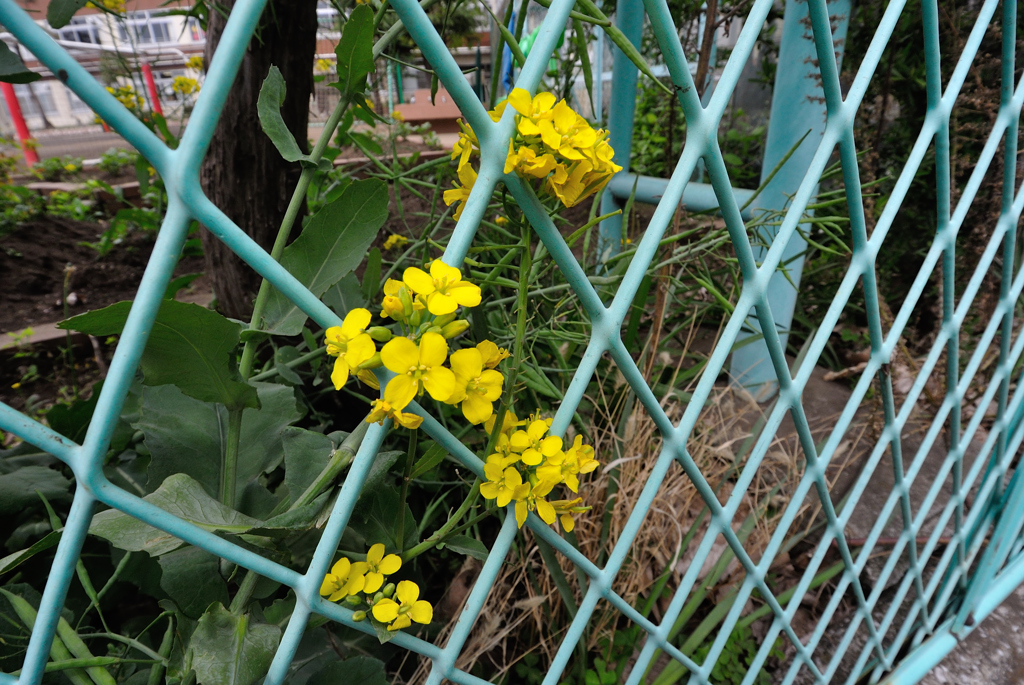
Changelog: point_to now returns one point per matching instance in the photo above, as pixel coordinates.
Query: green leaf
(11, 68)
(72, 421)
(190, 346)
(345, 295)
(59, 12)
(464, 544)
(191, 576)
(358, 669)
(18, 488)
(178, 495)
(306, 453)
(178, 283)
(231, 650)
(187, 436)
(379, 516)
(12, 561)
(331, 245)
(355, 51)
(268, 106)
(371, 275)
(434, 456)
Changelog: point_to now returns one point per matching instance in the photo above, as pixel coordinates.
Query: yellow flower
(492, 356)
(475, 387)
(532, 444)
(443, 288)
(195, 62)
(467, 175)
(70, 167)
(501, 220)
(507, 424)
(503, 485)
(185, 85)
(567, 132)
(395, 241)
(563, 467)
(537, 108)
(344, 579)
(409, 607)
(367, 377)
(350, 344)
(379, 566)
(466, 145)
(498, 110)
(392, 306)
(418, 369)
(535, 501)
(565, 508)
(526, 161)
(397, 115)
(383, 410)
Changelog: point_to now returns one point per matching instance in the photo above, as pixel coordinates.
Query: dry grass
(524, 611)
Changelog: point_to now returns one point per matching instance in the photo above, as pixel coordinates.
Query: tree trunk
(243, 174)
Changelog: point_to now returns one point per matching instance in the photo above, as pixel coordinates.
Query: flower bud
(354, 600)
(433, 329)
(373, 362)
(393, 307)
(389, 589)
(359, 616)
(455, 328)
(377, 597)
(367, 377)
(379, 333)
(444, 319)
(406, 299)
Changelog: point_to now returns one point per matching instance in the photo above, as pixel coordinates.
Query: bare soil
(33, 259)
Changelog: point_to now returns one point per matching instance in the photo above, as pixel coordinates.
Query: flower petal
(341, 568)
(476, 409)
(440, 304)
(407, 592)
(399, 354)
(360, 349)
(400, 622)
(521, 512)
(374, 582)
(521, 101)
(433, 350)
(329, 585)
(439, 382)
(390, 564)
(339, 376)
(491, 381)
(375, 554)
(385, 610)
(466, 294)
(355, 321)
(422, 612)
(546, 511)
(467, 363)
(400, 391)
(417, 279)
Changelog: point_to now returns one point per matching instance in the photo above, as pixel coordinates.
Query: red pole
(147, 72)
(14, 107)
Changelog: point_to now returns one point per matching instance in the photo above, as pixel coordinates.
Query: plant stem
(341, 458)
(309, 356)
(447, 529)
(409, 461)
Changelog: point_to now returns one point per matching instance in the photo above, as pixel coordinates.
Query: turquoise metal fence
(966, 578)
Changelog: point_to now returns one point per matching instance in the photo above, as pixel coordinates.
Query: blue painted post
(797, 110)
(629, 16)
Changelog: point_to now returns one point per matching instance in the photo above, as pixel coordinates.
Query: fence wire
(967, 575)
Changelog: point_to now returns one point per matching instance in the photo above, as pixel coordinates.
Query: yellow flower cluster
(424, 306)
(185, 85)
(195, 63)
(127, 96)
(395, 241)
(553, 147)
(528, 464)
(115, 6)
(361, 585)
(323, 66)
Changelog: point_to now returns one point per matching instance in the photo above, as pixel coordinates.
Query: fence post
(147, 73)
(629, 15)
(797, 110)
(20, 127)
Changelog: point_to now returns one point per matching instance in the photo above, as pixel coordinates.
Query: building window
(80, 30)
(326, 16)
(145, 28)
(28, 103)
